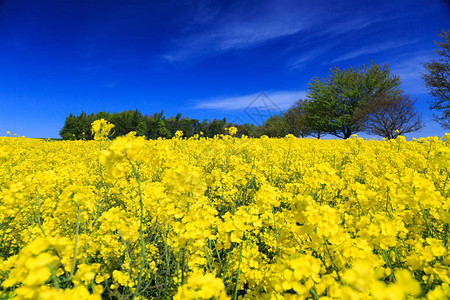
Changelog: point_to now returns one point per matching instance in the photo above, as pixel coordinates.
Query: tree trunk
(347, 133)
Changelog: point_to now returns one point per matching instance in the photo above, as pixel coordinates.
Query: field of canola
(224, 218)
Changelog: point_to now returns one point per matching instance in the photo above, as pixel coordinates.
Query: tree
(333, 101)
(296, 119)
(437, 81)
(185, 124)
(156, 126)
(390, 116)
(247, 129)
(141, 128)
(77, 127)
(70, 125)
(275, 126)
(215, 127)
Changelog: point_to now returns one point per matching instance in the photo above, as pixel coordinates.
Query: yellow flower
(178, 134)
(407, 283)
(232, 130)
(101, 129)
(201, 286)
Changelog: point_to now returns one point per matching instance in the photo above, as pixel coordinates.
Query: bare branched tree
(390, 116)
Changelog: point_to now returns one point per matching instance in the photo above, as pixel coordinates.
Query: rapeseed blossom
(101, 129)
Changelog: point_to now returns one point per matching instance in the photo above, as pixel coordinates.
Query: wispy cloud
(246, 25)
(387, 45)
(276, 99)
(353, 24)
(409, 69)
(241, 27)
(111, 84)
(300, 62)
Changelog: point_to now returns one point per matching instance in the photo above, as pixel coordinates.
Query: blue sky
(204, 59)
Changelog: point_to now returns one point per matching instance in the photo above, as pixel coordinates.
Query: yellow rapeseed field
(224, 218)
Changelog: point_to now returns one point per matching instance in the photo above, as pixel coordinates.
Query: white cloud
(356, 23)
(388, 45)
(242, 27)
(111, 84)
(307, 57)
(409, 69)
(270, 100)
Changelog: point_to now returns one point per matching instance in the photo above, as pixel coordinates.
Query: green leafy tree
(247, 129)
(296, 120)
(437, 81)
(185, 124)
(173, 124)
(333, 101)
(162, 130)
(141, 129)
(156, 126)
(275, 126)
(69, 127)
(77, 127)
(214, 127)
(126, 121)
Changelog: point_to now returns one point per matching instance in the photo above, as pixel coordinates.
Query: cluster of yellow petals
(101, 129)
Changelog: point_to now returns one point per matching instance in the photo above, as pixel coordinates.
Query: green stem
(445, 183)
(183, 262)
(313, 293)
(321, 194)
(429, 231)
(276, 230)
(99, 209)
(178, 266)
(217, 252)
(387, 199)
(166, 250)
(74, 262)
(360, 206)
(127, 253)
(445, 235)
(141, 232)
(208, 260)
(239, 272)
(388, 262)
(427, 286)
(332, 261)
(226, 266)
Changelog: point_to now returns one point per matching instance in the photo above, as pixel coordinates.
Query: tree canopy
(275, 126)
(295, 118)
(333, 101)
(437, 81)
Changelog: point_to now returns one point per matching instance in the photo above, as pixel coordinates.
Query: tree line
(368, 99)
(151, 126)
(156, 126)
(364, 99)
